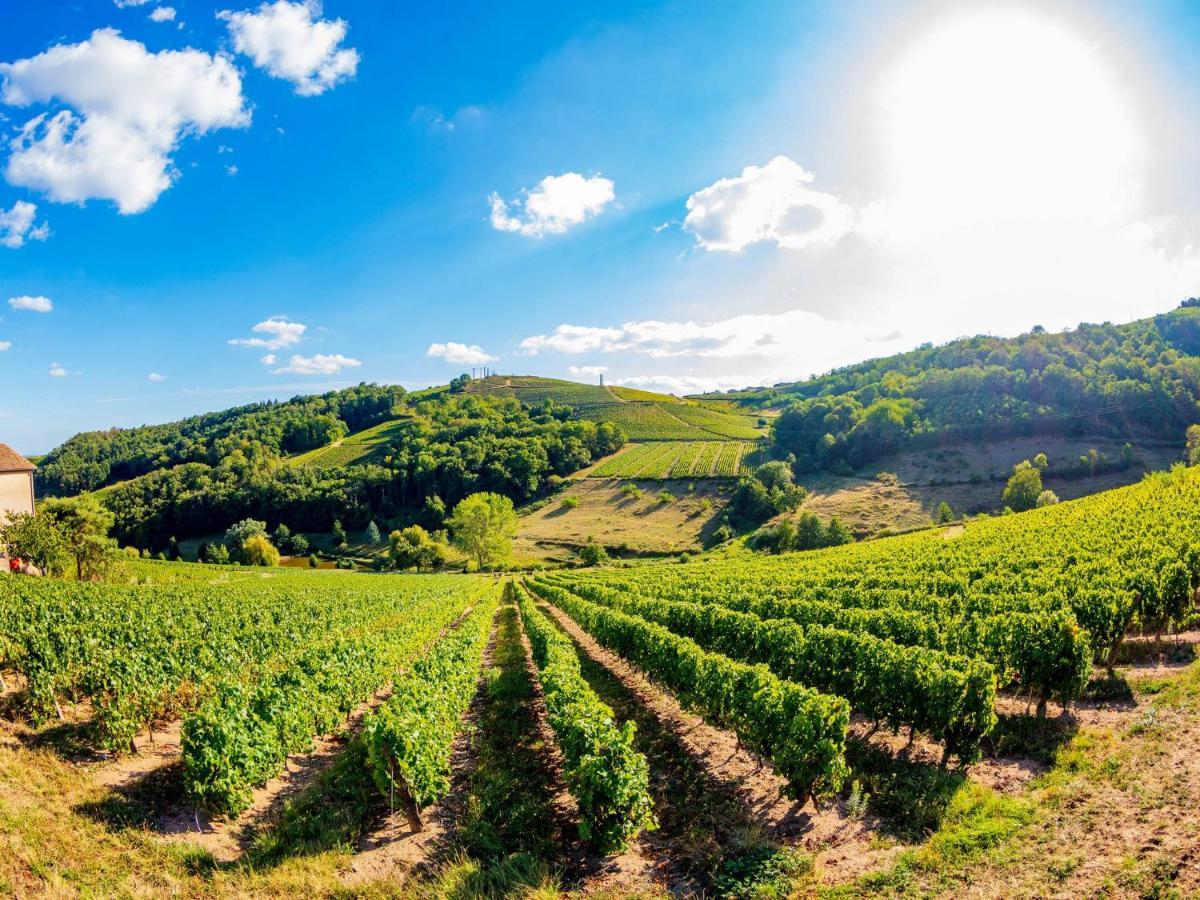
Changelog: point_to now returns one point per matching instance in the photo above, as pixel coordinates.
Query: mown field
(928, 715)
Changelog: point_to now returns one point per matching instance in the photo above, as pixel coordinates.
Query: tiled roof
(12, 461)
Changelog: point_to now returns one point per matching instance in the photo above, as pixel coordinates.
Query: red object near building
(14, 565)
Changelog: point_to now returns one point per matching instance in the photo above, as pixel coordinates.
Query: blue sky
(686, 195)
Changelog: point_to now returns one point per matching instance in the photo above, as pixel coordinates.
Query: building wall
(16, 493)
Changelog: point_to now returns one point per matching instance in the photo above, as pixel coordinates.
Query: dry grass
(623, 522)
(968, 477)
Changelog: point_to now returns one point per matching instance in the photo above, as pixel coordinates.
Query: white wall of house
(16, 493)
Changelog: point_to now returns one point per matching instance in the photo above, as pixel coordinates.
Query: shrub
(413, 547)
(593, 554)
(237, 535)
(569, 503)
(258, 551)
(1023, 488)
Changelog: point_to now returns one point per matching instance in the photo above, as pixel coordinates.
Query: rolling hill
(642, 415)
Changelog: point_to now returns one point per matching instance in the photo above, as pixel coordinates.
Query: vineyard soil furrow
(745, 794)
(391, 849)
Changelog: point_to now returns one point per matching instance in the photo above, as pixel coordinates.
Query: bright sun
(1004, 115)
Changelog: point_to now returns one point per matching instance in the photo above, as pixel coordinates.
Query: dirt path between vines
(632, 870)
(393, 849)
(842, 846)
(154, 777)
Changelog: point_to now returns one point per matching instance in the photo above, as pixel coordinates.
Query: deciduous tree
(483, 525)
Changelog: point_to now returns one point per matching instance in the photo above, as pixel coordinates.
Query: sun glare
(1003, 115)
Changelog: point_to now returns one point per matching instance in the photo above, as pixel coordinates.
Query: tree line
(1135, 381)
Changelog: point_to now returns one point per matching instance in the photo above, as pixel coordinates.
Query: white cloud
(281, 333)
(156, 378)
(681, 385)
(269, 359)
(740, 351)
(231, 170)
(570, 339)
(124, 3)
(5, 345)
(31, 304)
(319, 364)
(454, 352)
(557, 203)
(586, 371)
(16, 225)
(163, 14)
(774, 202)
(749, 336)
(57, 371)
(129, 110)
(289, 41)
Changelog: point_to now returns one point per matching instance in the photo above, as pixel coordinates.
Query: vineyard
(919, 632)
(811, 663)
(659, 460)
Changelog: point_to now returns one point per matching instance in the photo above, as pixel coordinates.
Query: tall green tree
(1023, 488)
(1193, 445)
(85, 524)
(483, 526)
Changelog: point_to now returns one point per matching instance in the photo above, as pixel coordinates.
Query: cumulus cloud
(16, 225)
(775, 202)
(124, 3)
(455, 352)
(57, 371)
(318, 364)
(31, 304)
(156, 378)
(557, 203)
(691, 356)
(290, 41)
(279, 331)
(681, 385)
(5, 345)
(586, 371)
(269, 359)
(128, 110)
(570, 339)
(162, 14)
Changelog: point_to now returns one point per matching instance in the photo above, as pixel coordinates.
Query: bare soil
(842, 845)
(393, 849)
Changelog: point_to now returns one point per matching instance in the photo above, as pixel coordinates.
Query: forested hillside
(201, 475)
(93, 459)
(1138, 381)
